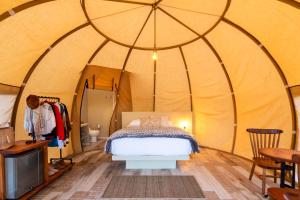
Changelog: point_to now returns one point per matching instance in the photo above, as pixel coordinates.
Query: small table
(282, 156)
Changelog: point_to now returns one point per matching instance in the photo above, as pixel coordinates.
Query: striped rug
(154, 187)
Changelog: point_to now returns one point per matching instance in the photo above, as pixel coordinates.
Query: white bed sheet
(151, 146)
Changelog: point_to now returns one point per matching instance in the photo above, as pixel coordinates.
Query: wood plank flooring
(220, 176)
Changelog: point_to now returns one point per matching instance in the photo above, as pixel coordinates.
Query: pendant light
(154, 55)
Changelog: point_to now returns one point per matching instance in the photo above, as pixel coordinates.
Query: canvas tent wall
(232, 62)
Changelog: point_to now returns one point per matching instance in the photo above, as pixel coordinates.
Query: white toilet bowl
(94, 134)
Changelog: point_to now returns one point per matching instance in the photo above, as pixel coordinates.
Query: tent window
(6, 106)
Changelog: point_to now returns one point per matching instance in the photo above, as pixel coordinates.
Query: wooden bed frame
(154, 162)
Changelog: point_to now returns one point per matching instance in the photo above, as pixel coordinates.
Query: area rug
(154, 187)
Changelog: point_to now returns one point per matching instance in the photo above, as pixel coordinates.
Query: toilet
(94, 134)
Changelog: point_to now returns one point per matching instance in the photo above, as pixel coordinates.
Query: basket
(7, 138)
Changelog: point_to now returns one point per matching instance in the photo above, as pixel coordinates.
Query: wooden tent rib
(131, 2)
(77, 90)
(131, 48)
(126, 60)
(148, 48)
(97, 51)
(291, 3)
(219, 20)
(230, 87)
(192, 30)
(223, 67)
(33, 67)
(294, 86)
(157, 2)
(294, 124)
(188, 77)
(280, 72)
(136, 39)
(33, 3)
(96, 29)
(37, 2)
(180, 22)
(24, 6)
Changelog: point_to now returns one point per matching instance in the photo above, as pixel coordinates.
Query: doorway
(96, 112)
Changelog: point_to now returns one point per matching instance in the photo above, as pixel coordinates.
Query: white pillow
(135, 123)
(165, 122)
(170, 124)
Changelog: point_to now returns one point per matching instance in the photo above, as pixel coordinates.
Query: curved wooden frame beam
(30, 4)
(291, 3)
(294, 86)
(212, 48)
(125, 62)
(131, 2)
(131, 48)
(222, 65)
(280, 72)
(33, 67)
(137, 37)
(188, 77)
(76, 144)
(159, 48)
(22, 7)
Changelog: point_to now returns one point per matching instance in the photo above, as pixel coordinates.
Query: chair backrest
(263, 138)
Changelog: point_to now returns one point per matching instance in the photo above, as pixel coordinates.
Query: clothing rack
(60, 159)
(51, 99)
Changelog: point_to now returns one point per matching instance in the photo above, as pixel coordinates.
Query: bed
(151, 146)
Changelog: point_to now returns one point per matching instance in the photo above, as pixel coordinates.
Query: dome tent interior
(233, 63)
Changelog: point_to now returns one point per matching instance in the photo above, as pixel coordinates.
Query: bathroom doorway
(96, 111)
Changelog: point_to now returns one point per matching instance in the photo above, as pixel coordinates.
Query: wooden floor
(220, 176)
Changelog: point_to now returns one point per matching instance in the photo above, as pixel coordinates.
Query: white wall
(100, 109)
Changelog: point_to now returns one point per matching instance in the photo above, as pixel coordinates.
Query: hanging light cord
(154, 7)
(154, 53)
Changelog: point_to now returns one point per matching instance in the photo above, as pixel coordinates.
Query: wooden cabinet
(21, 147)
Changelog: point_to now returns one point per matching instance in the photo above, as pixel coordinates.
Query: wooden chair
(264, 138)
(287, 193)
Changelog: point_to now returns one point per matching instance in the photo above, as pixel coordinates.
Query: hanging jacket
(47, 118)
(68, 126)
(59, 123)
(39, 121)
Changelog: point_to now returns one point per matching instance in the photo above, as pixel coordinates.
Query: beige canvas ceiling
(232, 61)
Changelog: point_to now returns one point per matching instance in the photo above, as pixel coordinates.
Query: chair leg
(275, 177)
(252, 171)
(264, 182)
